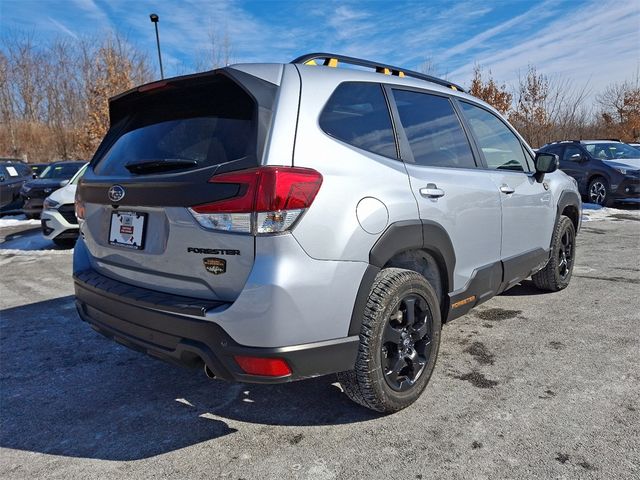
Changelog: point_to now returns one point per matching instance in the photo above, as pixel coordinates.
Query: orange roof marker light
(332, 60)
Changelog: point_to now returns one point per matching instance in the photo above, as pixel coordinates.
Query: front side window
(433, 129)
(501, 148)
(357, 114)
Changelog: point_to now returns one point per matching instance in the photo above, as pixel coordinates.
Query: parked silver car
(278, 222)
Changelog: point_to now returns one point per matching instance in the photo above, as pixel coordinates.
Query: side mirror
(545, 163)
(64, 182)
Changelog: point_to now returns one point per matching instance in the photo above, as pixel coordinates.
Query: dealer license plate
(127, 229)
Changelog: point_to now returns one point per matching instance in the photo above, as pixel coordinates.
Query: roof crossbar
(332, 60)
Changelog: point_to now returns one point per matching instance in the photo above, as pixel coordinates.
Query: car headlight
(50, 204)
(622, 170)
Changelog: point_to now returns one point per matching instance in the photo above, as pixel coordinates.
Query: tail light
(270, 200)
(79, 206)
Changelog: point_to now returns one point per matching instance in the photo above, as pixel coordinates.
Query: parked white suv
(277, 222)
(58, 218)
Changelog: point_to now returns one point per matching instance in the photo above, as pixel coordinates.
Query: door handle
(507, 189)
(431, 191)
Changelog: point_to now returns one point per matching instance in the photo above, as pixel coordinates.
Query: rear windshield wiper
(157, 166)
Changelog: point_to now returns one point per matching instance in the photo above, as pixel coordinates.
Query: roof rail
(332, 60)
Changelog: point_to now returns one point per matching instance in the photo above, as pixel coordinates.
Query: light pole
(154, 19)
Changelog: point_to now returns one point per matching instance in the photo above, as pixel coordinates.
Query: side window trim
(388, 98)
(516, 134)
(406, 154)
(404, 148)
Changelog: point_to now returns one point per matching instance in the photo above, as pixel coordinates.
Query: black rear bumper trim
(125, 315)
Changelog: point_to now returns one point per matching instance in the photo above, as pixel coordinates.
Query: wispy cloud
(63, 28)
(597, 43)
(537, 14)
(595, 40)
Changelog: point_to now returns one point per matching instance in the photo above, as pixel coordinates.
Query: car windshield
(612, 151)
(78, 176)
(61, 171)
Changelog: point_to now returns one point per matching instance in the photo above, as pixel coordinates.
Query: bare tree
(620, 109)
(530, 115)
(53, 99)
(488, 90)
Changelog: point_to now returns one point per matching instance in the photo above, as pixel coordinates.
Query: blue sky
(585, 42)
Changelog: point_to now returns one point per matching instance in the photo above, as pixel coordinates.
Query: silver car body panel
(291, 298)
(165, 264)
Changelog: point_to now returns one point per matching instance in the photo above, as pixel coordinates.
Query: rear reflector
(269, 200)
(266, 367)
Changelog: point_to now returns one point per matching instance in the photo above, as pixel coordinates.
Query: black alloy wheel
(406, 342)
(565, 253)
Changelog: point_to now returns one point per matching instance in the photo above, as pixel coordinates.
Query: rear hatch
(166, 141)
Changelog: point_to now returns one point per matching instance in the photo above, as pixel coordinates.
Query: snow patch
(592, 212)
(17, 220)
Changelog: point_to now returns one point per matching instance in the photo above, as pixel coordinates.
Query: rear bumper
(174, 329)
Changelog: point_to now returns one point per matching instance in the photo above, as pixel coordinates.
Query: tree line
(54, 98)
(543, 109)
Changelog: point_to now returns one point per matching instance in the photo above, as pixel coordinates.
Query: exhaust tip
(208, 372)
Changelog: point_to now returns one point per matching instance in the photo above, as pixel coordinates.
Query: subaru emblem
(116, 193)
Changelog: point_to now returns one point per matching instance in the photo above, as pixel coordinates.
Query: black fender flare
(568, 198)
(397, 238)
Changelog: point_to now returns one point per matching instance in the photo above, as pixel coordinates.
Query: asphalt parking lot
(528, 385)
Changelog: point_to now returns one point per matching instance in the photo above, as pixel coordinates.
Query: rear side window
(433, 129)
(501, 148)
(357, 114)
(194, 126)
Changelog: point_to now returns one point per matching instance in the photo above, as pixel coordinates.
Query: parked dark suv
(606, 170)
(13, 174)
(53, 177)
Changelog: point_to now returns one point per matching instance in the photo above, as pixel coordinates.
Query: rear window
(195, 126)
(357, 114)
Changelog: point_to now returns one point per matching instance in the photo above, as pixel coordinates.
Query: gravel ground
(527, 385)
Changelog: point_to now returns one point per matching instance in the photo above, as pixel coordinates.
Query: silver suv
(278, 222)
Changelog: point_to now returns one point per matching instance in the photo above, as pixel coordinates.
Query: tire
(599, 192)
(396, 356)
(556, 275)
(64, 242)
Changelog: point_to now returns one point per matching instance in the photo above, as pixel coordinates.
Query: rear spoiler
(261, 91)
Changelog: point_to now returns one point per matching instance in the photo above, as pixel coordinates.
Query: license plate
(127, 229)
